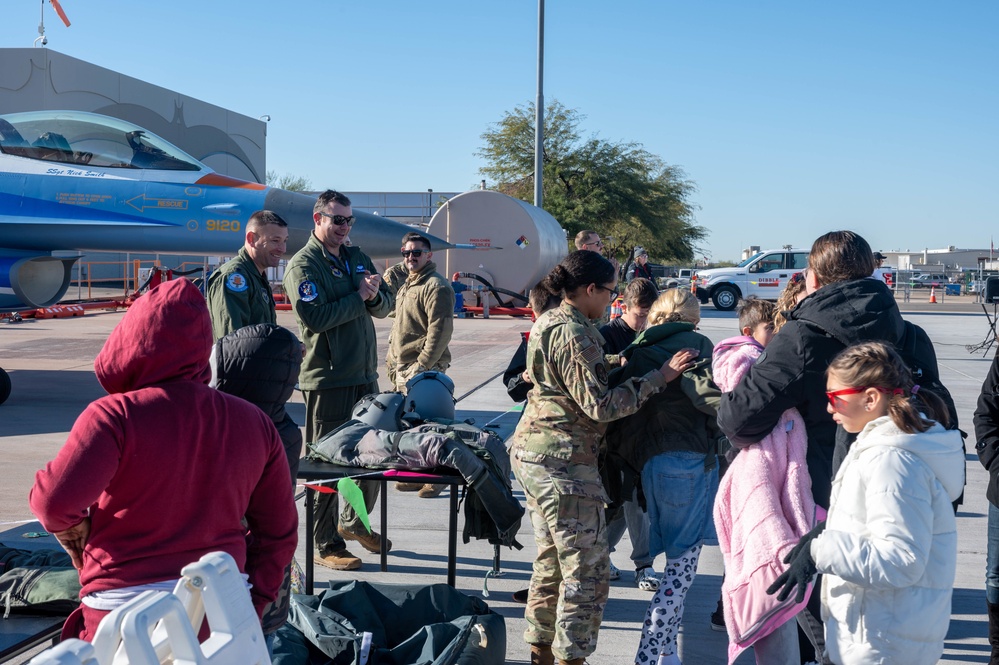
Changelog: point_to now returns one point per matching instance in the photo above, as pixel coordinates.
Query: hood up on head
(165, 336)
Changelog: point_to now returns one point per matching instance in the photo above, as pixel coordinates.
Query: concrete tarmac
(51, 366)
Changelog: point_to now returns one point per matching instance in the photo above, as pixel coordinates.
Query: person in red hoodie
(164, 468)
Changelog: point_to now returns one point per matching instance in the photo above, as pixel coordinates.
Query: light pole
(539, 109)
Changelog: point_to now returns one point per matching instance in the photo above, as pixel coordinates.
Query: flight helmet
(430, 395)
(381, 410)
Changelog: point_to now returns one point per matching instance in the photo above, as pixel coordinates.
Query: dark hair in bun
(579, 269)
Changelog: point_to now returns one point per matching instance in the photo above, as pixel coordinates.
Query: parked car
(679, 279)
(928, 279)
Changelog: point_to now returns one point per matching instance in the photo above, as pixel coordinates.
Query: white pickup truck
(763, 275)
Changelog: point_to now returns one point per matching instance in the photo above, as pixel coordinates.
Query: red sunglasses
(832, 395)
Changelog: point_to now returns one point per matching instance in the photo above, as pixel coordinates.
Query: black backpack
(916, 350)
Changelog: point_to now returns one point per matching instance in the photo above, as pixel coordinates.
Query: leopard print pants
(662, 620)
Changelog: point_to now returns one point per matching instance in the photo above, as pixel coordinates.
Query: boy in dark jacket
(260, 364)
(637, 299)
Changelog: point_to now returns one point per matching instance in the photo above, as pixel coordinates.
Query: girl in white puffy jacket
(889, 549)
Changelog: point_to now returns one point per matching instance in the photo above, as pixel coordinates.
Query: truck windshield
(749, 260)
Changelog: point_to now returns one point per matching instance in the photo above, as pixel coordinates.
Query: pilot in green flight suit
(239, 293)
(334, 292)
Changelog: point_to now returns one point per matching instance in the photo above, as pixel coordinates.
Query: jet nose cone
(296, 209)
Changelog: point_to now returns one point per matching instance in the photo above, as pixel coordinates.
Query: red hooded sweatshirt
(167, 467)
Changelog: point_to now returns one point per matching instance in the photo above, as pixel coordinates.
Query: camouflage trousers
(569, 584)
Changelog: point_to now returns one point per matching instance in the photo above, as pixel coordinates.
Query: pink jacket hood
(732, 359)
(133, 357)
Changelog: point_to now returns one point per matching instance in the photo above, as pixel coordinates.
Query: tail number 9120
(223, 225)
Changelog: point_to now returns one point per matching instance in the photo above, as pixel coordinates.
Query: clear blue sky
(793, 118)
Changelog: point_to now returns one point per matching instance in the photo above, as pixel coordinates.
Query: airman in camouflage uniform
(554, 457)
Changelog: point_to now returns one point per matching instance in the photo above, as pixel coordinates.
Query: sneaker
(369, 541)
(615, 574)
(718, 618)
(646, 579)
(339, 560)
(429, 491)
(408, 487)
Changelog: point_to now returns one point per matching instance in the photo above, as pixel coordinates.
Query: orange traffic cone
(615, 309)
(933, 294)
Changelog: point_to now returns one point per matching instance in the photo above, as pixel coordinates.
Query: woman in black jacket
(987, 437)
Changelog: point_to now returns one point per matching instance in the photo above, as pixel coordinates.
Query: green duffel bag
(37, 582)
(361, 623)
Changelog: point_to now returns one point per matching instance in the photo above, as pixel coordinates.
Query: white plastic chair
(159, 627)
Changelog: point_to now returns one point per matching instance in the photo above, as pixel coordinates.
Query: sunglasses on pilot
(339, 220)
(415, 253)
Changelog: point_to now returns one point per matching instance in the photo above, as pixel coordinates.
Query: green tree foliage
(292, 183)
(620, 190)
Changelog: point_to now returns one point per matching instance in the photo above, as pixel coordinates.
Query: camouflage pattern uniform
(554, 457)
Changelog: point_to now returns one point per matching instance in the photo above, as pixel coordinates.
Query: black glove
(801, 568)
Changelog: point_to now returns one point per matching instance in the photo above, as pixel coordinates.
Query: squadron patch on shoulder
(602, 373)
(307, 291)
(236, 282)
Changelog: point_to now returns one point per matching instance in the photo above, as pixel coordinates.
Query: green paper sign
(352, 494)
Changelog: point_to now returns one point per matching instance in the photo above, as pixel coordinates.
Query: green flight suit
(341, 358)
(339, 337)
(239, 295)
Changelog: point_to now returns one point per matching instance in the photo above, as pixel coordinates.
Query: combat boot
(574, 661)
(541, 654)
(994, 632)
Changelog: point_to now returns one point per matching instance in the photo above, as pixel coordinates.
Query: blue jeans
(992, 558)
(637, 521)
(680, 496)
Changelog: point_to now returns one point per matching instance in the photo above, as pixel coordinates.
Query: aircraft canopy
(89, 139)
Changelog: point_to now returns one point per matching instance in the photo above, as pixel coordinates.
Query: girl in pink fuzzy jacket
(763, 507)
